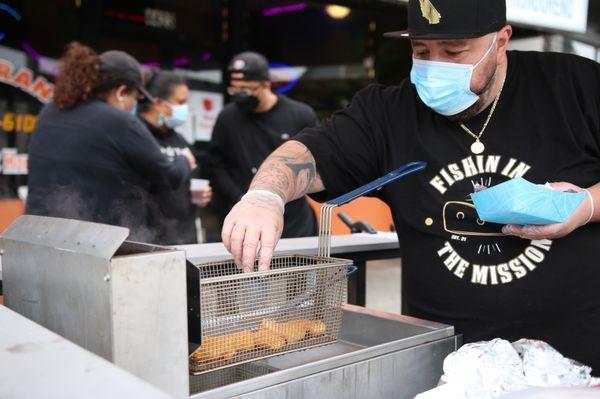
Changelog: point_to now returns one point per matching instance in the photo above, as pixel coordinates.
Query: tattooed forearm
(302, 169)
(272, 176)
(290, 172)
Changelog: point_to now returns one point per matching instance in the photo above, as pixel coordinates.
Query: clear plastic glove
(253, 228)
(553, 231)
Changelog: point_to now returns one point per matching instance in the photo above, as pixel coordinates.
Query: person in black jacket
(90, 158)
(248, 130)
(172, 214)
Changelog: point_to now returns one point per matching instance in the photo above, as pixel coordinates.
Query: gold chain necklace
(477, 147)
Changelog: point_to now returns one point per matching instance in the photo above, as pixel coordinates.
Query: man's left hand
(554, 231)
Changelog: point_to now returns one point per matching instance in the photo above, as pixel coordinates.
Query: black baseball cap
(121, 65)
(452, 19)
(250, 66)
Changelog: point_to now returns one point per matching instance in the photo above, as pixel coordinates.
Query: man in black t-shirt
(247, 131)
(478, 115)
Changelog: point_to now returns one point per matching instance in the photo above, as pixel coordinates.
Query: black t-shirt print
(457, 269)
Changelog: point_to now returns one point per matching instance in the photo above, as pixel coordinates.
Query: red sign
(14, 163)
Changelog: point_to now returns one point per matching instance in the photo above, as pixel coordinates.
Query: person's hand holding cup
(201, 192)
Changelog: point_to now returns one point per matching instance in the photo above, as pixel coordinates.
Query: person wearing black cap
(89, 157)
(478, 115)
(248, 130)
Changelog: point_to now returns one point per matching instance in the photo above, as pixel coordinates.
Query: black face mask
(246, 102)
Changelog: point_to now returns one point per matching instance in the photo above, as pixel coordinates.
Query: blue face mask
(134, 109)
(445, 87)
(179, 115)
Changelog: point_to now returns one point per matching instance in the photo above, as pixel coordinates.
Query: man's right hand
(253, 227)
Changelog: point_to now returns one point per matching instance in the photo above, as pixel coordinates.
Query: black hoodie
(97, 163)
(172, 214)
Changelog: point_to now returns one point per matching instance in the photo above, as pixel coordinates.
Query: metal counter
(342, 244)
(123, 301)
(379, 355)
(130, 303)
(37, 363)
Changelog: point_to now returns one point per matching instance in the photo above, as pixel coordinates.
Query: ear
(503, 38)
(121, 92)
(161, 106)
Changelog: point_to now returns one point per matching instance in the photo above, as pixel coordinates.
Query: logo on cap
(429, 12)
(239, 64)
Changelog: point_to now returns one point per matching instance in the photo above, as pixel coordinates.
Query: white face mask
(445, 87)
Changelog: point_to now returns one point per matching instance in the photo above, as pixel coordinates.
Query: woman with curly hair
(90, 158)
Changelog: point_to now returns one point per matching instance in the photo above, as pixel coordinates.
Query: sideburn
(479, 105)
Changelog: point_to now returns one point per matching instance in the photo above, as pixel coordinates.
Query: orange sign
(18, 123)
(23, 79)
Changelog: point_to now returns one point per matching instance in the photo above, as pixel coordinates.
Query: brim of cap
(404, 34)
(145, 93)
(247, 77)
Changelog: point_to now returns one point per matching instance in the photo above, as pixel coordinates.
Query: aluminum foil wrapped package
(490, 369)
(555, 393)
(544, 366)
(485, 369)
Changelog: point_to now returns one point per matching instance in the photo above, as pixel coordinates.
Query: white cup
(197, 189)
(199, 184)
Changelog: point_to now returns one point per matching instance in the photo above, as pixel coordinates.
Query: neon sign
(13, 13)
(282, 73)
